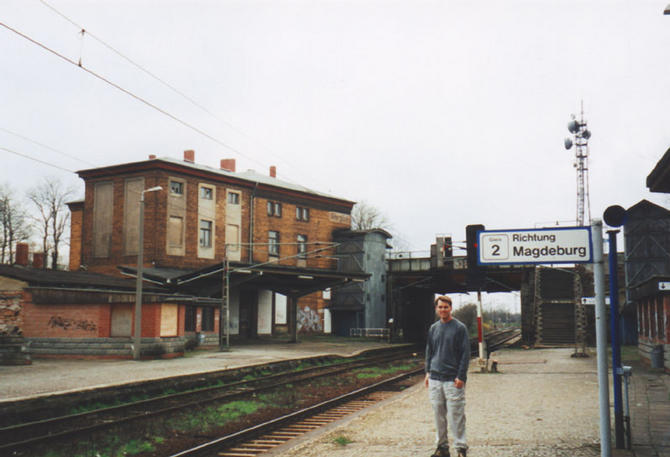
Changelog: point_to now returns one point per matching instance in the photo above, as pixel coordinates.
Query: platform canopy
(286, 280)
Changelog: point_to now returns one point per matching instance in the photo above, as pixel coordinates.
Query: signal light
(475, 275)
(471, 244)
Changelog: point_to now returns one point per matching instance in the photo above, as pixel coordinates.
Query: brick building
(277, 238)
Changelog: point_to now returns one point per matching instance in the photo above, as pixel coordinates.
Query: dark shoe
(462, 453)
(442, 451)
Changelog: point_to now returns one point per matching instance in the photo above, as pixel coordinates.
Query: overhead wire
(46, 146)
(84, 31)
(36, 160)
(129, 93)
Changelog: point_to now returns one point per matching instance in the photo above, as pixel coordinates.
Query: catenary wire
(160, 80)
(36, 160)
(46, 146)
(129, 93)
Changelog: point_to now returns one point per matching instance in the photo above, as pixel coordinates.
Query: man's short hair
(443, 298)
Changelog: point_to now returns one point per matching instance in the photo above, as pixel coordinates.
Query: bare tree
(14, 226)
(366, 217)
(50, 199)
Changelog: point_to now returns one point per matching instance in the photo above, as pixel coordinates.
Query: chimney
(152, 156)
(273, 171)
(21, 257)
(38, 260)
(189, 156)
(228, 164)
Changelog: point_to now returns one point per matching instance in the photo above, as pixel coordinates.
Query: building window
(301, 213)
(206, 234)
(273, 243)
(207, 319)
(176, 188)
(302, 246)
(234, 198)
(274, 209)
(326, 294)
(206, 193)
(189, 319)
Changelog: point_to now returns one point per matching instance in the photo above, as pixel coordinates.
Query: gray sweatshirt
(448, 351)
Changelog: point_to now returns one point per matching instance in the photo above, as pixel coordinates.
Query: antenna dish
(568, 143)
(586, 134)
(573, 126)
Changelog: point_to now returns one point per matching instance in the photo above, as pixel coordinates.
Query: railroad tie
(236, 454)
(269, 443)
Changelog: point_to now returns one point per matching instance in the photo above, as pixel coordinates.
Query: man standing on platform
(447, 360)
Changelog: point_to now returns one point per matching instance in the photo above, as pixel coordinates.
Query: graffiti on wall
(308, 320)
(74, 324)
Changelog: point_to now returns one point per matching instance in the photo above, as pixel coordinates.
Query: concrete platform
(53, 376)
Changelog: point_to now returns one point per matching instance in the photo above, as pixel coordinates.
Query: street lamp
(138, 288)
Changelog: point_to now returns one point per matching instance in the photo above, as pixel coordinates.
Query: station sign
(535, 246)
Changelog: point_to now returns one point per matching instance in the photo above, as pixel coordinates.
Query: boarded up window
(122, 320)
(131, 215)
(232, 238)
(169, 320)
(175, 232)
(103, 206)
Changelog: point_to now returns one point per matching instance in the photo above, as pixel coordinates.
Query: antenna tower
(580, 139)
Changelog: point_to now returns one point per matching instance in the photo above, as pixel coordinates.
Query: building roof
(36, 277)
(250, 178)
(659, 178)
(356, 233)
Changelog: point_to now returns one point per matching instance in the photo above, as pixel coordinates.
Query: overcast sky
(439, 113)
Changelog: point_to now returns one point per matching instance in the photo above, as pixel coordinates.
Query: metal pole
(227, 304)
(601, 337)
(480, 336)
(627, 372)
(137, 340)
(616, 347)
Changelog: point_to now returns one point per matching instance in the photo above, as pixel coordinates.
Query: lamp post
(137, 341)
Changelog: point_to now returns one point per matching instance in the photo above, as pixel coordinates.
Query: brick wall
(319, 227)
(59, 321)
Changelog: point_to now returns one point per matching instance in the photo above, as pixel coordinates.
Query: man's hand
(425, 381)
(458, 383)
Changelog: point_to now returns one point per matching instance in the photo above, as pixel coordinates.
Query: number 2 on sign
(495, 249)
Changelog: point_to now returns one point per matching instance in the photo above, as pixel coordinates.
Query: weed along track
(162, 423)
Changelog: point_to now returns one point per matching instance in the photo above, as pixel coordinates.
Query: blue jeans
(448, 404)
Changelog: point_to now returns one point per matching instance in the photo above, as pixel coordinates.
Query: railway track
(52, 429)
(263, 437)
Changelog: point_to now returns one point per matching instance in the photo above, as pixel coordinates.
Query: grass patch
(375, 372)
(342, 440)
(134, 447)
